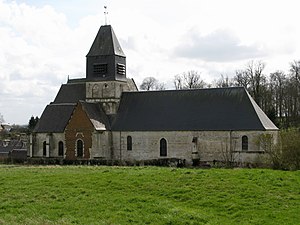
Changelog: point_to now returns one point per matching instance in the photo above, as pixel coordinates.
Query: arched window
(44, 148)
(79, 147)
(163, 147)
(245, 143)
(129, 143)
(60, 148)
(95, 91)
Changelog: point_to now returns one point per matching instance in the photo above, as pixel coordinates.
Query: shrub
(285, 154)
(289, 147)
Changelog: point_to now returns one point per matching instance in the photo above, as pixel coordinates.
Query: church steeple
(106, 59)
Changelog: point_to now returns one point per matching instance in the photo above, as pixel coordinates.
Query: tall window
(44, 148)
(129, 143)
(79, 147)
(60, 148)
(245, 143)
(163, 147)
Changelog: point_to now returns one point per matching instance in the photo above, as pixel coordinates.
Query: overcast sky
(44, 41)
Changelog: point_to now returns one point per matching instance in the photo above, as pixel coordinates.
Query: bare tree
(295, 70)
(160, 86)
(257, 79)
(148, 84)
(228, 150)
(224, 81)
(277, 85)
(151, 83)
(295, 90)
(189, 80)
(241, 79)
(253, 79)
(1, 119)
(178, 82)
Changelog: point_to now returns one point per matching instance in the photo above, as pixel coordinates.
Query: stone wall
(108, 93)
(207, 146)
(52, 140)
(101, 147)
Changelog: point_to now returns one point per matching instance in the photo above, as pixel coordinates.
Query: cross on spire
(105, 14)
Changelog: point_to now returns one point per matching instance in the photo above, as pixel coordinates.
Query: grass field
(147, 195)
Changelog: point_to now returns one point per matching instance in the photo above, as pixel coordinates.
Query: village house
(104, 117)
(13, 150)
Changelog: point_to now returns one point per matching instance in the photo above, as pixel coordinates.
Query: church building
(104, 117)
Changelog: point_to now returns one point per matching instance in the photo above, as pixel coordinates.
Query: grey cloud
(219, 46)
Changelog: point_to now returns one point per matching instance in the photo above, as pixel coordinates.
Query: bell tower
(106, 71)
(106, 60)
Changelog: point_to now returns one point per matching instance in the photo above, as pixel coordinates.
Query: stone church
(104, 117)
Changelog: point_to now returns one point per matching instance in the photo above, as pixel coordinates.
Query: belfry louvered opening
(121, 70)
(100, 69)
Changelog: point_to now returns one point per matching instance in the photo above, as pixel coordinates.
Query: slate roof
(4, 150)
(106, 43)
(12, 145)
(96, 115)
(70, 93)
(54, 118)
(56, 115)
(216, 109)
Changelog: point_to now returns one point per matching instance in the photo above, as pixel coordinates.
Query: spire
(106, 43)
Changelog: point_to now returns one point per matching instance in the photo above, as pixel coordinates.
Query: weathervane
(105, 14)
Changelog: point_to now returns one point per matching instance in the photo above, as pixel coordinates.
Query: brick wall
(78, 128)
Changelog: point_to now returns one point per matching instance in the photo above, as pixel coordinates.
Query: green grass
(147, 195)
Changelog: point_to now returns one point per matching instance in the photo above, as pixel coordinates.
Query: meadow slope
(147, 195)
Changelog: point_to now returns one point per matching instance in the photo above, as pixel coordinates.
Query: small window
(129, 143)
(60, 148)
(163, 147)
(44, 148)
(79, 148)
(245, 143)
(121, 69)
(195, 139)
(100, 69)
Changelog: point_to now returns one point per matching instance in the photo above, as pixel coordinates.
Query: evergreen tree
(32, 123)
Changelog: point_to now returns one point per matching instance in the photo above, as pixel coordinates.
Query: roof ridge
(186, 90)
